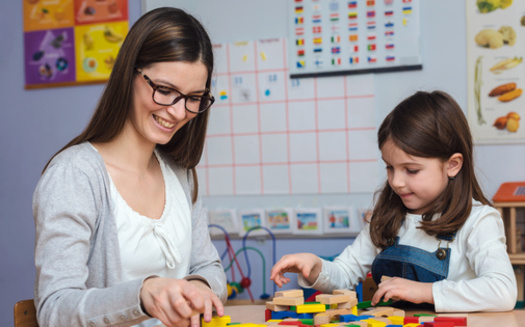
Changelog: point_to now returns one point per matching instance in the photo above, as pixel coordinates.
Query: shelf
(517, 259)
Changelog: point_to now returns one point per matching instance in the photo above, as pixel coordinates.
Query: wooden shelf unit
(508, 214)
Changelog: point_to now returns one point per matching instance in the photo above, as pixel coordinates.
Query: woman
(120, 231)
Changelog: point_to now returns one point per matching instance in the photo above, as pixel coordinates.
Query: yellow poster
(97, 47)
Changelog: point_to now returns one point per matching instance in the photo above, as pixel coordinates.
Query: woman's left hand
(397, 288)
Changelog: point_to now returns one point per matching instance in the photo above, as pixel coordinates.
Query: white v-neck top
(155, 246)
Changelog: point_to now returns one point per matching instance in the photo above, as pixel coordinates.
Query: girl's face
(418, 181)
(157, 123)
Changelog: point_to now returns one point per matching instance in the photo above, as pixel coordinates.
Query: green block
(307, 321)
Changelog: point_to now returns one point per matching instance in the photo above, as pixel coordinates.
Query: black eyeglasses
(166, 96)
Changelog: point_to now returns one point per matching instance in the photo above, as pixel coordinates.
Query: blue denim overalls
(413, 263)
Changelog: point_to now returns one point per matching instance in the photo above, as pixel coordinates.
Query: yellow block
(310, 308)
(216, 321)
(396, 320)
(375, 323)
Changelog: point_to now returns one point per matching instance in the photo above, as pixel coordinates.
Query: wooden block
(399, 313)
(321, 319)
(383, 278)
(328, 315)
(361, 323)
(217, 321)
(396, 320)
(310, 308)
(276, 308)
(289, 293)
(347, 305)
(380, 311)
(288, 300)
(424, 319)
(458, 321)
(373, 322)
(346, 292)
(332, 299)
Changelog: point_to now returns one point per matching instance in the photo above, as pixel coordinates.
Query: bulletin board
(269, 134)
(68, 42)
(496, 72)
(353, 37)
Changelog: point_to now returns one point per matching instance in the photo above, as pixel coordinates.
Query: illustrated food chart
(269, 134)
(72, 41)
(496, 71)
(349, 37)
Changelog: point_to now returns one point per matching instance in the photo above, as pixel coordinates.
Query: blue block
(348, 318)
(363, 317)
(284, 314)
(305, 315)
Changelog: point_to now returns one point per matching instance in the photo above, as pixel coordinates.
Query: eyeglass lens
(168, 97)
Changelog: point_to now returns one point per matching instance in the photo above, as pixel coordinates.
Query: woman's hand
(397, 288)
(177, 302)
(307, 264)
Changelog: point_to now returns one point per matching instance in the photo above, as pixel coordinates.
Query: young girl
(120, 232)
(432, 229)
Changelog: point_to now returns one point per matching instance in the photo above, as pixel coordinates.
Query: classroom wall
(36, 123)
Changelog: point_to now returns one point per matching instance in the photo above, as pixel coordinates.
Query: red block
(267, 315)
(457, 321)
(438, 324)
(411, 320)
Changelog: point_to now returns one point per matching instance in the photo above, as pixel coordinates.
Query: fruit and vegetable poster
(68, 42)
(338, 37)
(496, 72)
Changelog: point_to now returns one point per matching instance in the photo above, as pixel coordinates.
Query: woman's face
(157, 123)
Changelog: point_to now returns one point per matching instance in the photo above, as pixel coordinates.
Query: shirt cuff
(197, 277)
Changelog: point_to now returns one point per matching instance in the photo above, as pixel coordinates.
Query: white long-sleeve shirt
(480, 277)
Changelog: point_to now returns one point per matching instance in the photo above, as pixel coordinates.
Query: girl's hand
(177, 302)
(397, 288)
(307, 264)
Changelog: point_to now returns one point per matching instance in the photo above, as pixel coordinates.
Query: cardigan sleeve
(67, 204)
(348, 268)
(494, 286)
(205, 260)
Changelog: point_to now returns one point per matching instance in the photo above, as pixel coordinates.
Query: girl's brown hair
(428, 125)
(160, 35)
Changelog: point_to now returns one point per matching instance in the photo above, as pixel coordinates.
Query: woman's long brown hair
(428, 125)
(160, 35)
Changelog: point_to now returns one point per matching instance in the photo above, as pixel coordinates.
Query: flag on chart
(336, 61)
(354, 60)
(372, 59)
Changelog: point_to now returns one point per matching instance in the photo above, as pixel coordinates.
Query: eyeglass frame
(177, 99)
